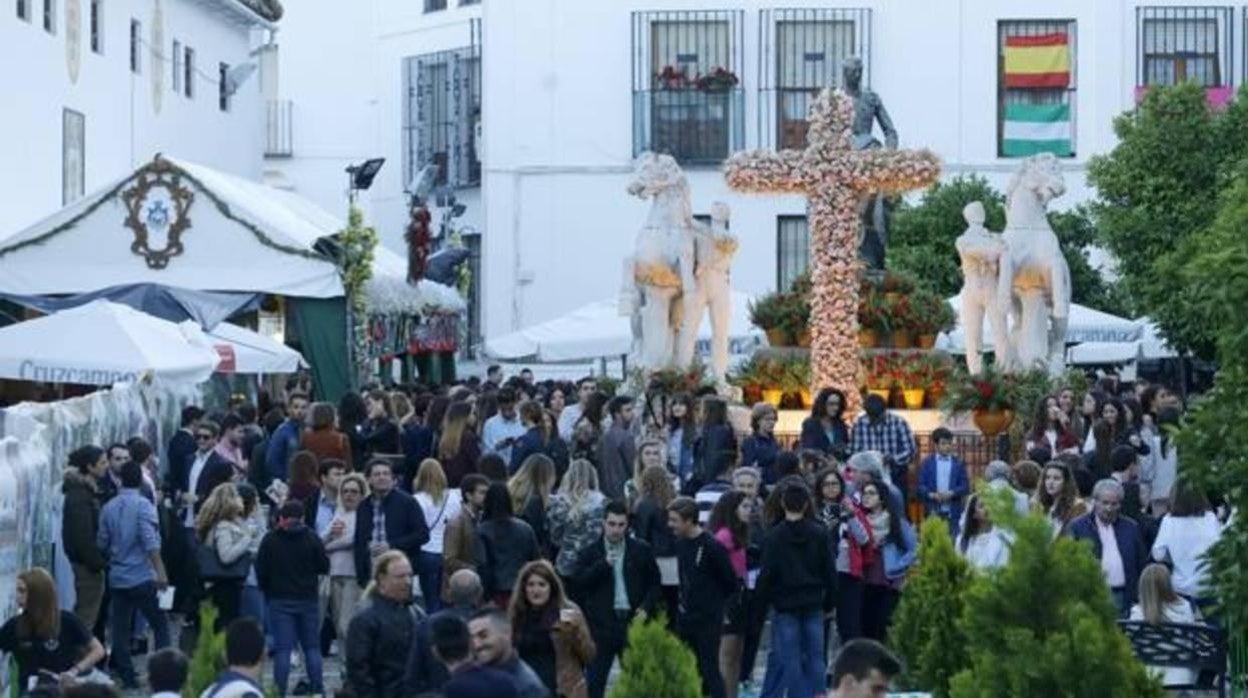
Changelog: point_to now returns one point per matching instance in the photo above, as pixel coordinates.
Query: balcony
(278, 128)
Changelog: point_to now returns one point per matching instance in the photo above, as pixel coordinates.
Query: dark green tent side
(323, 335)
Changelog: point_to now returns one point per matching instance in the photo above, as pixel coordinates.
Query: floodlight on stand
(362, 175)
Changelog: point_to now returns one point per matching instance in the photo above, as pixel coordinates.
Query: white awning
(245, 351)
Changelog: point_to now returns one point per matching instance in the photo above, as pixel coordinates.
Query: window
(804, 51)
(687, 98)
(1184, 44)
(463, 3)
(223, 86)
(49, 16)
(97, 26)
(792, 250)
(188, 72)
(435, 5)
(23, 10)
(1036, 78)
(441, 114)
(136, 31)
(177, 66)
(73, 156)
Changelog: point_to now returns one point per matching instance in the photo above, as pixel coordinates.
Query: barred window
(803, 51)
(441, 113)
(1036, 79)
(792, 250)
(1184, 44)
(687, 95)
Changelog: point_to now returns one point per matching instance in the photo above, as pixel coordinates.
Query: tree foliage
(656, 664)
(925, 632)
(209, 658)
(1044, 625)
(922, 240)
(1158, 189)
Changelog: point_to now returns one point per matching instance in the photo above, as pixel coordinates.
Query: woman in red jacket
(850, 538)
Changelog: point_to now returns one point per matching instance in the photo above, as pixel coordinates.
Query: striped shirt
(708, 496)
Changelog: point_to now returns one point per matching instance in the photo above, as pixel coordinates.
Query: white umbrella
(598, 330)
(101, 343)
(245, 351)
(1083, 325)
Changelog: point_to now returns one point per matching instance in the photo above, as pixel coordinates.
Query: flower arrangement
(932, 314)
(670, 381)
(672, 78)
(874, 314)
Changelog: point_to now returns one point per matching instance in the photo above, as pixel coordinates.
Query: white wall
(558, 128)
(124, 126)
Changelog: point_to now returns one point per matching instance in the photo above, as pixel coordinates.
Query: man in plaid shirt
(883, 431)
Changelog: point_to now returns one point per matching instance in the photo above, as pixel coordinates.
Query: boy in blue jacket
(943, 481)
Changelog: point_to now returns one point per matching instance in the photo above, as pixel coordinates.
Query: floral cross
(834, 178)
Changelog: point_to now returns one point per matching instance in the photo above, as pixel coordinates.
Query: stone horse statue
(1034, 267)
(659, 278)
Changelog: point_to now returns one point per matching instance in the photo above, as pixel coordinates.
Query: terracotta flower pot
(901, 340)
(806, 401)
(926, 341)
(773, 396)
(803, 339)
(777, 337)
(868, 339)
(913, 398)
(934, 395)
(992, 422)
(751, 394)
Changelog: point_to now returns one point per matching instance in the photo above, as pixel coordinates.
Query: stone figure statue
(985, 291)
(1038, 273)
(876, 209)
(662, 264)
(714, 248)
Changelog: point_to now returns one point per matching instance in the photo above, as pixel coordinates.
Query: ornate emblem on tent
(157, 206)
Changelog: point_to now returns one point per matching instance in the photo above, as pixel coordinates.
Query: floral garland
(356, 268)
(834, 178)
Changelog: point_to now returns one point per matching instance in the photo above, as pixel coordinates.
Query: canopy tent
(598, 330)
(1084, 325)
(205, 308)
(245, 351)
(102, 343)
(183, 225)
(1150, 346)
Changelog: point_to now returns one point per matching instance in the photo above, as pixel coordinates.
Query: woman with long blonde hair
(339, 540)
(458, 446)
(42, 637)
(530, 490)
(440, 504)
(1159, 603)
(550, 632)
(575, 514)
(220, 525)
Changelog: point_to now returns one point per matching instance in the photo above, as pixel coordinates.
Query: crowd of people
(498, 537)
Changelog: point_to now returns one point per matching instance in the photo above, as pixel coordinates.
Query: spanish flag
(1037, 61)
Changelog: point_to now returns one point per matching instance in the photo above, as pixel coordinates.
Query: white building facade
(98, 87)
(533, 111)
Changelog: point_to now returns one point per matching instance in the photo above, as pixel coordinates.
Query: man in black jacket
(79, 523)
(796, 580)
(707, 580)
(615, 578)
(288, 567)
(425, 673)
(379, 639)
(181, 451)
(388, 520)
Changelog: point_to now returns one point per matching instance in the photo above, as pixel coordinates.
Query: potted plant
(989, 396)
(717, 79)
(912, 377)
(901, 320)
(770, 313)
(940, 372)
(896, 285)
(746, 377)
(932, 315)
(773, 378)
(798, 323)
(880, 376)
(672, 78)
(799, 378)
(873, 320)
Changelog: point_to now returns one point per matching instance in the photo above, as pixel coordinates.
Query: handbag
(211, 567)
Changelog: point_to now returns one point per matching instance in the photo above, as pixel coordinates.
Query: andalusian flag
(1036, 128)
(1037, 61)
